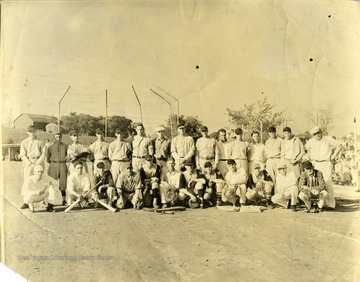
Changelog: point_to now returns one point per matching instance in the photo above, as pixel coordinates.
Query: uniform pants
(48, 196)
(222, 167)
(243, 164)
(271, 167)
(117, 168)
(124, 197)
(306, 199)
(282, 199)
(137, 164)
(263, 193)
(233, 194)
(294, 168)
(326, 169)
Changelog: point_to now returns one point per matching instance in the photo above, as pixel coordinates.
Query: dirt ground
(193, 245)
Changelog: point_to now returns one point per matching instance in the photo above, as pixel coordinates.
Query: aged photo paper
(147, 60)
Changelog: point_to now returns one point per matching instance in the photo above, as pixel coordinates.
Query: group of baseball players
(161, 173)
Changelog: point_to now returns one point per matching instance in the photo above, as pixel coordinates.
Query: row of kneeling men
(153, 186)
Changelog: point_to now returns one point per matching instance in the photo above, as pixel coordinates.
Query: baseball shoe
(218, 203)
(24, 206)
(31, 207)
(50, 208)
(294, 208)
(64, 203)
(164, 206)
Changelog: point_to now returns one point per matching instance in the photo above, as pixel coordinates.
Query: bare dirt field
(193, 245)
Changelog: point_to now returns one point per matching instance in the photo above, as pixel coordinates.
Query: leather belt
(161, 159)
(274, 158)
(58, 162)
(223, 160)
(120, 160)
(207, 158)
(138, 157)
(320, 161)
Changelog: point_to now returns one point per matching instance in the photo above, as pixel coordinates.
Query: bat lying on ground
(169, 210)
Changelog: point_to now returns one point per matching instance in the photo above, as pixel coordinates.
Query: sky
(303, 56)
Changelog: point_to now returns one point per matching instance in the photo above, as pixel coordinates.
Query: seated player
(128, 187)
(173, 185)
(78, 183)
(150, 177)
(106, 188)
(195, 182)
(234, 191)
(286, 188)
(214, 184)
(312, 188)
(259, 185)
(37, 188)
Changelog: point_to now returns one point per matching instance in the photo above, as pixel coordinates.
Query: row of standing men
(321, 150)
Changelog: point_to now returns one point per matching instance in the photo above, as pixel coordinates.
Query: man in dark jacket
(56, 157)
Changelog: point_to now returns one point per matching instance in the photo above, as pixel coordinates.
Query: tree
(191, 123)
(123, 123)
(87, 124)
(322, 118)
(250, 116)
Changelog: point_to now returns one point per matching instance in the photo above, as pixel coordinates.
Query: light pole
(166, 101)
(138, 102)
(60, 106)
(177, 101)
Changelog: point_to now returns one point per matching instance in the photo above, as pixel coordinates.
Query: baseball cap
(281, 165)
(307, 165)
(238, 131)
(58, 133)
(207, 164)
(73, 133)
(100, 165)
(315, 130)
(99, 131)
(148, 158)
(181, 126)
(30, 128)
(272, 129)
(159, 129)
(203, 129)
(256, 165)
(231, 162)
(287, 129)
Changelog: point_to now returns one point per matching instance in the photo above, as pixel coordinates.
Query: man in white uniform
(323, 151)
(38, 188)
(78, 183)
(286, 188)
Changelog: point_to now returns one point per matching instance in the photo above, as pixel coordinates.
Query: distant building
(38, 121)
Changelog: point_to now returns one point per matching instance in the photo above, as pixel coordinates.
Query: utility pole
(166, 101)
(138, 103)
(178, 104)
(106, 114)
(60, 107)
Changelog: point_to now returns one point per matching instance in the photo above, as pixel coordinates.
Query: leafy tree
(87, 124)
(116, 122)
(191, 123)
(250, 116)
(324, 119)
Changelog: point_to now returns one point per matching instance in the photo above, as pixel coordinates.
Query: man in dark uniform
(106, 189)
(56, 157)
(162, 147)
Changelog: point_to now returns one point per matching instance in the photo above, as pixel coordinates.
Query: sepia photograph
(170, 140)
